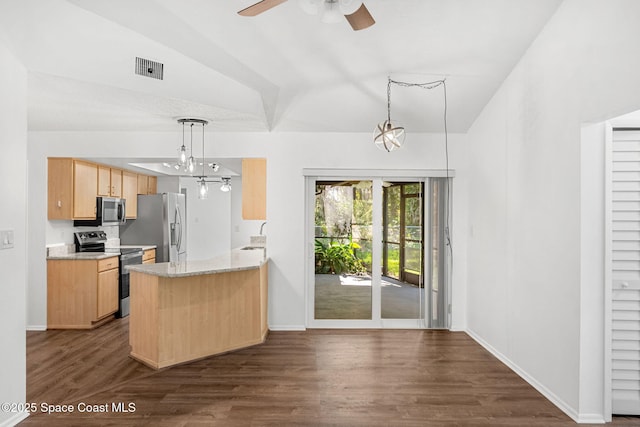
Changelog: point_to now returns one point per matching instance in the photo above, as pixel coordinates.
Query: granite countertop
(109, 252)
(234, 260)
(84, 255)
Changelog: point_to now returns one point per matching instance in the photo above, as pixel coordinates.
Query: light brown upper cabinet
(254, 189)
(73, 185)
(85, 187)
(72, 189)
(147, 184)
(109, 181)
(60, 188)
(152, 187)
(130, 193)
(116, 182)
(104, 181)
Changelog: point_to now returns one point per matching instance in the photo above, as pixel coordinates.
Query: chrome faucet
(261, 226)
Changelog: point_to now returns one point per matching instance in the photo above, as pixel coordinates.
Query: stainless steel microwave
(109, 211)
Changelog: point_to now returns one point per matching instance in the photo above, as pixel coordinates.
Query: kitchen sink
(248, 248)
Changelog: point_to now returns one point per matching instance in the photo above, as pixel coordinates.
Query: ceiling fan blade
(261, 6)
(360, 19)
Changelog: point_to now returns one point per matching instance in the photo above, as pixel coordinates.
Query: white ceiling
(283, 70)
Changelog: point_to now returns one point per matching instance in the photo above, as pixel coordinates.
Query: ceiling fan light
(331, 13)
(388, 135)
(347, 7)
(310, 6)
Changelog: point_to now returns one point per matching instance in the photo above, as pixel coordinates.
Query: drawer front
(108, 263)
(148, 254)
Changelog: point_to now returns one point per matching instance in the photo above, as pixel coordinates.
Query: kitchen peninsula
(184, 311)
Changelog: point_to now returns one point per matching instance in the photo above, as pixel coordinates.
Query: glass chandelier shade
(226, 185)
(203, 189)
(182, 159)
(388, 135)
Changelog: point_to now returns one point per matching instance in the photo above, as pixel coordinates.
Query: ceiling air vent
(148, 68)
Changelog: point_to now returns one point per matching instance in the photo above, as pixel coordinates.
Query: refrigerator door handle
(179, 224)
(175, 238)
(172, 237)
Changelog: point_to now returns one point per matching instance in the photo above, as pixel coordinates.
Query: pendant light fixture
(182, 158)
(388, 135)
(190, 164)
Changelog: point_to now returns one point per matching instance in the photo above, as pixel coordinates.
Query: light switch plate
(6, 239)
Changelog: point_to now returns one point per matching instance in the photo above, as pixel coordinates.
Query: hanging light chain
(389, 99)
(203, 161)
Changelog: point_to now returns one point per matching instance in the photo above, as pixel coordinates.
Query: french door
(376, 252)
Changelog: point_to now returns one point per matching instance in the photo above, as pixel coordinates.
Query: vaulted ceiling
(283, 70)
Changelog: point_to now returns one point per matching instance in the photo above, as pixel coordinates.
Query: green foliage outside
(343, 218)
(337, 258)
(393, 263)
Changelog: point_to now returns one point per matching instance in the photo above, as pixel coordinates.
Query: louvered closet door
(626, 273)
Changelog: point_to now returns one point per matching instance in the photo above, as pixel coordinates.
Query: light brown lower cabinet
(175, 320)
(81, 294)
(149, 256)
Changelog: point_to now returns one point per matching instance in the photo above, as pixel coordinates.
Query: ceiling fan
(354, 11)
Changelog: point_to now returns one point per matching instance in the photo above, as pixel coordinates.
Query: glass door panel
(378, 257)
(437, 292)
(343, 236)
(402, 259)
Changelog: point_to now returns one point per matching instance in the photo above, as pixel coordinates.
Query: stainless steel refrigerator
(161, 221)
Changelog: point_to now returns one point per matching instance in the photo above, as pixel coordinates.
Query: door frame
(403, 274)
(610, 127)
(376, 176)
(608, 265)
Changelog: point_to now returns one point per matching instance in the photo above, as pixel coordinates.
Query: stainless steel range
(94, 241)
(90, 241)
(128, 256)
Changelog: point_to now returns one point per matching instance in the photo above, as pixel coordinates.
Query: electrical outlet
(6, 239)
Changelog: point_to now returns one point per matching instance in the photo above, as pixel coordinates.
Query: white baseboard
(15, 419)
(36, 327)
(561, 404)
(591, 419)
(287, 328)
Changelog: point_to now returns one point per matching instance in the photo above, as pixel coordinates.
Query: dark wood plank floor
(317, 377)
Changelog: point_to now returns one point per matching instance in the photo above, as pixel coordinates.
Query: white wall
(13, 216)
(287, 154)
(241, 229)
(208, 221)
(534, 276)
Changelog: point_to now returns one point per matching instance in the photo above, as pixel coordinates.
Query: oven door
(132, 258)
